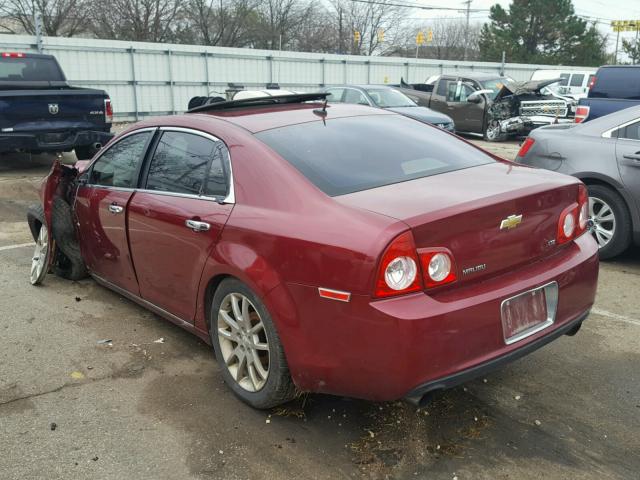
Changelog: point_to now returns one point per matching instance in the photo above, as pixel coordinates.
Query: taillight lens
(12, 55)
(526, 146)
(398, 271)
(573, 219)
(582, 112)
(108, 111)
(592, 82)
(438, 266)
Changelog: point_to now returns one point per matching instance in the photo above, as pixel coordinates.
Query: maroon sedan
(338, 249)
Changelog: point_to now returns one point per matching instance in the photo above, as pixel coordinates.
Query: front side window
(118, 166)
(389, 98)
(458, 92)
(189, 164)
(355, 96)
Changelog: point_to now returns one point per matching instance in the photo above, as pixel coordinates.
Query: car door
(459, 109)
(628, 156)
(101, 209)
(177, 215)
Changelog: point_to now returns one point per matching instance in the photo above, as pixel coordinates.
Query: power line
(416, 5)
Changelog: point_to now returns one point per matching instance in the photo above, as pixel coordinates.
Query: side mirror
(476, 97)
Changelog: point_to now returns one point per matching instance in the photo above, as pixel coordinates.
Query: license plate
(529, 312)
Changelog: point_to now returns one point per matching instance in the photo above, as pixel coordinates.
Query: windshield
(29, 69)
(495, 84)
(350, 154)
(389, 98)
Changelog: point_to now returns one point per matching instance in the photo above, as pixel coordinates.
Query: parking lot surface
(93, 386)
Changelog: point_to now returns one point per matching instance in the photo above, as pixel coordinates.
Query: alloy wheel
(243, 342)
(39, 260)
(602, 221)
(493, 131)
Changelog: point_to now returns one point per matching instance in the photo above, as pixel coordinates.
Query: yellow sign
(420, 38)
(430, 36)
(356, 37)
(625, 25)
(381, 35)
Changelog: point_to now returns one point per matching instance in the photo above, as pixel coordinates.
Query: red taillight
(573, 219)
(526, 146)
(12, 55)
(398, 272)
(592, 82)
(438, 266)
(582, 112)
(108, 111)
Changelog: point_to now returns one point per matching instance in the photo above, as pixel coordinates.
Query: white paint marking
(616, 316)
(19, 245)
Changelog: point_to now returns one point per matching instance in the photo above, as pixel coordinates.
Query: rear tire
(234, 331)
(602, 198)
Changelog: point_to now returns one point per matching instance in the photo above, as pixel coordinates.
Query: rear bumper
(61, 141)
(417, 394)
(401, 347)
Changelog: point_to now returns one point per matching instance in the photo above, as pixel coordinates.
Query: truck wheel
(248, 347)
(85, 153)
(70, 265)
(609, 221)
(492, 132)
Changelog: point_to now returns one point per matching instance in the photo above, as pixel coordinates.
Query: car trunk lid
(492, 218)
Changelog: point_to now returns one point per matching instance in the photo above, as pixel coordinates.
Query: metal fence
(153, 79)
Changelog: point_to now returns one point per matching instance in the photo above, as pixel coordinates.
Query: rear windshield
(617, 82)
(29, 69)
(347, 155)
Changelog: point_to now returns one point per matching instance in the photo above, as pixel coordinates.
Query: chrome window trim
(230, 198)
(607, 133)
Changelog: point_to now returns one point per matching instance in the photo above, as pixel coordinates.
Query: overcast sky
(601, 10)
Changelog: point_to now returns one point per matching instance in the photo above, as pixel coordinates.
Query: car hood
(422, 113)
(523, 88)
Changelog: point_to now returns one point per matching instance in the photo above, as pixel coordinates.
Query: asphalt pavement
(93, 386)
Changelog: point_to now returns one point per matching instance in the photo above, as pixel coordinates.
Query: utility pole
(37, 22)
(340, 44)
(466, 29)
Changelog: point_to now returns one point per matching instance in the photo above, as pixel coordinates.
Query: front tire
(492, 133)
(609, 221)
(248, 348)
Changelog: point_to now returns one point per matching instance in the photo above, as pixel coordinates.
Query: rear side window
(335, 95)
(565, 79)
(29, 69)
(617, 82)
(189, 164)
(577, 79)
(630, 132)
(350, 154)
(118, 166)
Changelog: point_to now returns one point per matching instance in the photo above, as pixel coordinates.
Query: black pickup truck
(490, 104)
(40, 112)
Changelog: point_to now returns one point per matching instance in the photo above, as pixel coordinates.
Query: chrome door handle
(113, 208)
(197, 226)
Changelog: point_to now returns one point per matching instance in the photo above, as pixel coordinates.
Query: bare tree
(221, 22)
(61, 18)
(136, 20)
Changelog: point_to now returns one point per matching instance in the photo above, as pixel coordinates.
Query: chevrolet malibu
(325, 248)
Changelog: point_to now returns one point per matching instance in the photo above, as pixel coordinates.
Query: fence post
(345, 71)
(134, 82)
(406, 64)
(171, 82)
(368, 62)
(206, 71)
(270, 60)
(323, 73)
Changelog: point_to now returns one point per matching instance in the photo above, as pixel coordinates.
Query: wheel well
(212, 286)
(596, 181)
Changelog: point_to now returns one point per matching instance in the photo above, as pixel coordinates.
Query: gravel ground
(72, 407)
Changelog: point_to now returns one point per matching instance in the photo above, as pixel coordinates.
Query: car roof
(475, 75)
(601, 124)
(259, 118)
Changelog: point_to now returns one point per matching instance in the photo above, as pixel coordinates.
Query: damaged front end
(520, 107)
(52, 226)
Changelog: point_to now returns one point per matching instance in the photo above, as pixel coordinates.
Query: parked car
(332, 248)
(573, 83)
(489, 104)
(41, 112)
(615, 87)
(388, 98)
(605, 155)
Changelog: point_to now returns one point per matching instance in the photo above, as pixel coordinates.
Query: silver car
(605, 154)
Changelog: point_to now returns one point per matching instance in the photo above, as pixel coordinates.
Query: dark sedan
(388, 98)
(605, 154)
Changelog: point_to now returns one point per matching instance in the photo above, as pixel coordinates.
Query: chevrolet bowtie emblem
(512, 221)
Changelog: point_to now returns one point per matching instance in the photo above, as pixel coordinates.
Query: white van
(574, 84)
